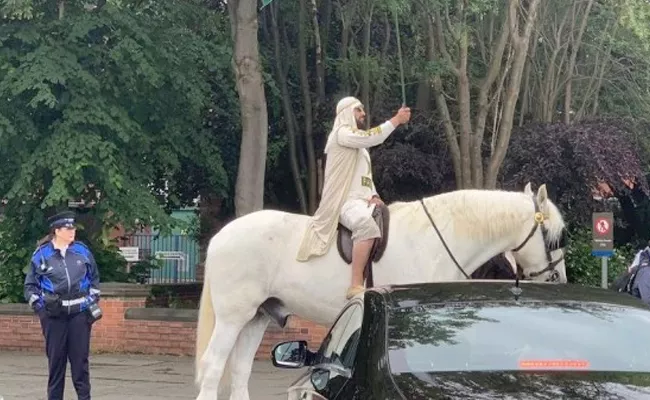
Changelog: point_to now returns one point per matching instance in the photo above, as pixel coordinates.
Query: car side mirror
(291, 354)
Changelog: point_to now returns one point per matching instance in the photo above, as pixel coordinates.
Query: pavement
(23, 376)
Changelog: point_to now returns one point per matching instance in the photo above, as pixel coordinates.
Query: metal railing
(174, 258)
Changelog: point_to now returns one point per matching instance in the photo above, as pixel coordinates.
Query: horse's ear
(542, 197)
(528, 189)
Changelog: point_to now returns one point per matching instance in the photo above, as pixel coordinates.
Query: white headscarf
(344, 117)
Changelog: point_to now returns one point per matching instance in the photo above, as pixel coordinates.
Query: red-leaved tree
(575, 161)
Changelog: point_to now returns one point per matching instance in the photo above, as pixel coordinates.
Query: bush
(585, 269)
(574, 159)
(14, 258)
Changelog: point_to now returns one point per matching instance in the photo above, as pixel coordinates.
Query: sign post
(603, 241)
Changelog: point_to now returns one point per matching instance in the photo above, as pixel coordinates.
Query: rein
(539, 222)
(443, 240)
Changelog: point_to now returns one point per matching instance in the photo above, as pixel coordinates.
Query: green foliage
(635, 15)
(14, 259)
(585, 269)
(122, 94)
(181, 296)
(111, 264)
(141, 270)
(125, 108)
(16, 9)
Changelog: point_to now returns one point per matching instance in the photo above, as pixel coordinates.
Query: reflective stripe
(68, 303)
(32, 299)
(94, 291)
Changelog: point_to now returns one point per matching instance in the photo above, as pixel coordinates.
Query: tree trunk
(365, 73)
(312, 181)
(320, 92)
(423, 99)
(288, 112)
(520, 44)
(209, 221)
(327, 22)
(436, 36)
(61, 7)
(552, 76)
(575, 46)
(320, 68)
(525, 101)
(378, 98)
(249, 188)
(464, 105)
(496, 57)
(343, 51)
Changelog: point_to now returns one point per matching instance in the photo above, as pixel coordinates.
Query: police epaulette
(39, 247)
(81, 247)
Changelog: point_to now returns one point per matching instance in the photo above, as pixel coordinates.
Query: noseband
(539, 224)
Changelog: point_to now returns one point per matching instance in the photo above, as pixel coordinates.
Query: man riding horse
(349, 195)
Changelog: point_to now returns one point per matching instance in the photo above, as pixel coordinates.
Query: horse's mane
(478, 214)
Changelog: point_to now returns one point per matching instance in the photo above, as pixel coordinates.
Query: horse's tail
(204, 326)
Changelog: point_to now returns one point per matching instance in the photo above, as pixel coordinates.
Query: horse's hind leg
(216, 354)
(243, 355)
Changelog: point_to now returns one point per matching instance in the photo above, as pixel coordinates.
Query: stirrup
(354, 290)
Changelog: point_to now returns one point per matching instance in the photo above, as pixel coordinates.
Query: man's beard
(361, 123)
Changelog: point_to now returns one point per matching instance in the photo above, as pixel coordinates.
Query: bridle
(539, 218)
(539, 222)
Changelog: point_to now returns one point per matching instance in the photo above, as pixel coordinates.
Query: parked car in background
(479, 340)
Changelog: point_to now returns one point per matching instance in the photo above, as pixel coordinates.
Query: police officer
(640, 284)
(62, 287)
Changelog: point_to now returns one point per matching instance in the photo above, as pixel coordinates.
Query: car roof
(489, 290)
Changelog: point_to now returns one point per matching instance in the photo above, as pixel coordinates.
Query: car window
(340, 344)
(527, 335)
(347, 346)
(334, 334)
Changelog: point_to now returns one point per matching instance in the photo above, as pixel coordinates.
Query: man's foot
(354, 290)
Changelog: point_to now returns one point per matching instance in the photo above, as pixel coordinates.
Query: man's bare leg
(360, 253)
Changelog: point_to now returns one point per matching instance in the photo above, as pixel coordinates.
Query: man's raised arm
(360, 138)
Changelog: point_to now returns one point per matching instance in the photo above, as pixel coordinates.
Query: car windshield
(525, 336)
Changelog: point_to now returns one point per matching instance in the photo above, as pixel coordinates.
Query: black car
(479, 340)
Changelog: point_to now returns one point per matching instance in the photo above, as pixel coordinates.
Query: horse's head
(541, 252)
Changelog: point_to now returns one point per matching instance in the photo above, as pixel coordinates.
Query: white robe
(344, 144)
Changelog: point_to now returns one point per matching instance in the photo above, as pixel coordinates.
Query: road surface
(23, 376)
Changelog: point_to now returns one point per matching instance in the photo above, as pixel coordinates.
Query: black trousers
(67, 338)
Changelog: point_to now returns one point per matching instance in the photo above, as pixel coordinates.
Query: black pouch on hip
(94, 312)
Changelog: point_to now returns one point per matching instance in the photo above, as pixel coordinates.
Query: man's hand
(375, 200)
(403, 116)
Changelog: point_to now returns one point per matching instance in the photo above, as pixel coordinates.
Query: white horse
(252, 259)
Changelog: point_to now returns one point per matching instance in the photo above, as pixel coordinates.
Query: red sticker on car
(531, 364)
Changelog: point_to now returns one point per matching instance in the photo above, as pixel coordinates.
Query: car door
(334, 360)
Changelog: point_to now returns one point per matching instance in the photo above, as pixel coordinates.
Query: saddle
(381, 215)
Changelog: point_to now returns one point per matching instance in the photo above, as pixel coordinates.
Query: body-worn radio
(95, 312)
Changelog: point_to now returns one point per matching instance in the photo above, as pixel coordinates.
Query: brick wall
(296, 329)
(128, 327)
(19, 330)
(176, 295)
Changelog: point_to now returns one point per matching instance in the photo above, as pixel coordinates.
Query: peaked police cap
(65, 219)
